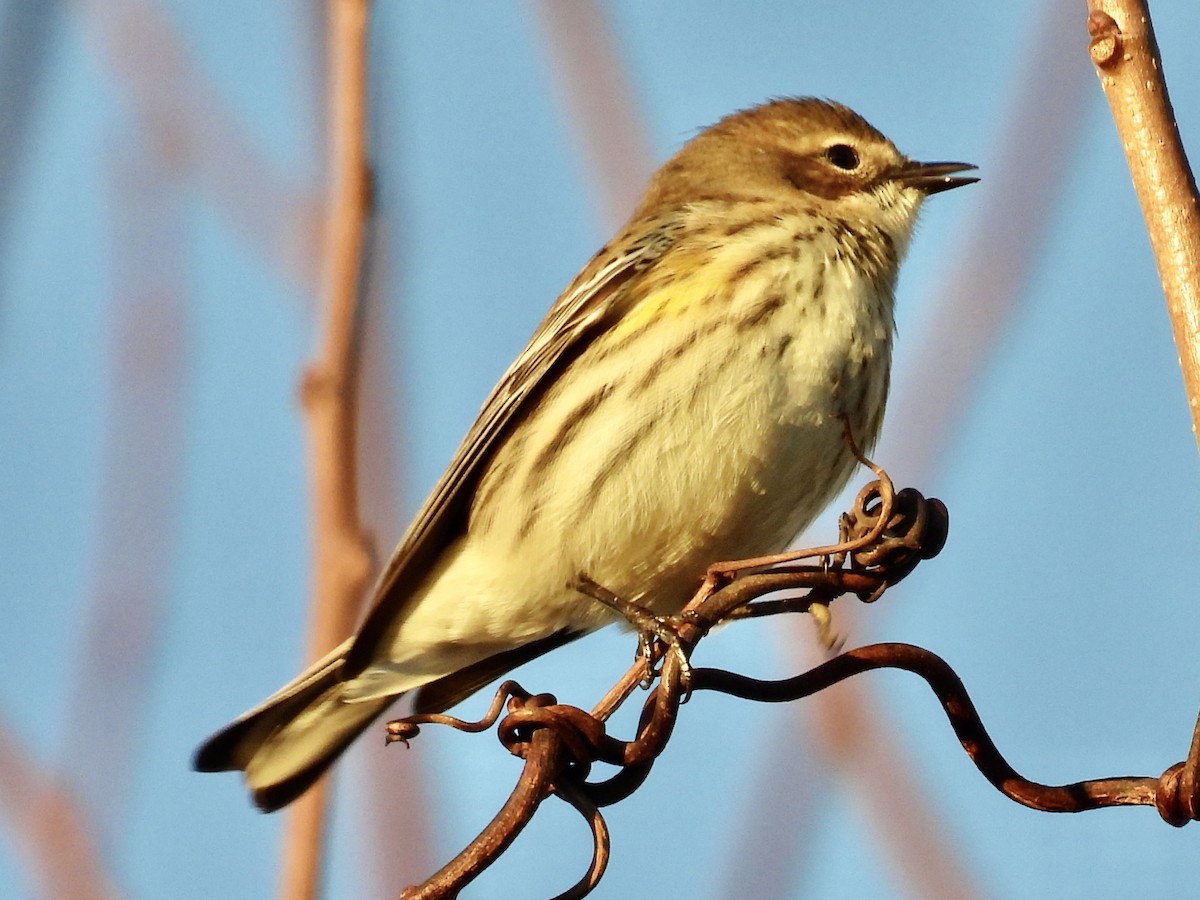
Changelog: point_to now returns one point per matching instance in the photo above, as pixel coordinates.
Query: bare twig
(541, 766)
(1125, 53)
(342, 561)
(1165, 792)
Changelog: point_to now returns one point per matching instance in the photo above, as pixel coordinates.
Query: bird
(685, 400)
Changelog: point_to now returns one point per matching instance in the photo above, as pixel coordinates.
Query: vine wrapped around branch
(883, 537)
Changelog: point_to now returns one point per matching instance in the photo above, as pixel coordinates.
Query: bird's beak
(935, 177)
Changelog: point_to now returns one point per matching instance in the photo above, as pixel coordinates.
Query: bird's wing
(590, 305)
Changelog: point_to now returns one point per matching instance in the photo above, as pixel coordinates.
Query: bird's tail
(287, 742)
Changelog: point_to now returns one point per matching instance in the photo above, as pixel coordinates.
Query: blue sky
(1063, 598)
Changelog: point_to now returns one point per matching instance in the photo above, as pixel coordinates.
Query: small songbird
(684, 401)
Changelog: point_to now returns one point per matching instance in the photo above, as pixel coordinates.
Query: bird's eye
(843, 156)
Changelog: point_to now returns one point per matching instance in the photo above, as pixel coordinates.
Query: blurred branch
(138, 522)
(1125, 54)
(1173, 793)
(79, 810)
(197, 138)
(49, 830)
(391, 801)
(26, 30)
(600, 102)
(984, 282)
(342, 558)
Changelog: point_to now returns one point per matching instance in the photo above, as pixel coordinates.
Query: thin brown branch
(542, 763)
(342, 560)
(1125, 54)
(600, 841)
(1163, 792)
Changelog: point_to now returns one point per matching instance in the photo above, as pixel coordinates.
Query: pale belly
(743, 450)
(641, 483)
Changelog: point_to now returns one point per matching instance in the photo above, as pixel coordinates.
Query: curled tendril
(883, 537)
(915, 530)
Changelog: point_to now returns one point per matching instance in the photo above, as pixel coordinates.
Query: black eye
(843, 156)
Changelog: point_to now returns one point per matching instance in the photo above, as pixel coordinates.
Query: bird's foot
(666, 631)
(650, 628)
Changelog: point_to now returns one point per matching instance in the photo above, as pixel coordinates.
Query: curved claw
(666, 631)
(649, 627)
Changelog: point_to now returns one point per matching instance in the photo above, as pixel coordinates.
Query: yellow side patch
(671, 288)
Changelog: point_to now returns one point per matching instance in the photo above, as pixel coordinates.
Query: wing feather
(589, 306)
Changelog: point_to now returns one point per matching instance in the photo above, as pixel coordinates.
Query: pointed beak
(935, 177)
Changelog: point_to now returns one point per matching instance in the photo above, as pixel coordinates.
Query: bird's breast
(708, 434)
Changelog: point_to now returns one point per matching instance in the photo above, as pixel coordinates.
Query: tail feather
(287, 742)
(442, 693)
(297, 754)
(234, 745)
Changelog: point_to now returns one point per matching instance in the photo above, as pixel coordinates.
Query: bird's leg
(649, 627)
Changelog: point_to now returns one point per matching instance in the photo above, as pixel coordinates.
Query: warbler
(684, 401)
